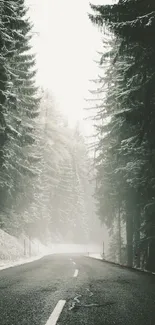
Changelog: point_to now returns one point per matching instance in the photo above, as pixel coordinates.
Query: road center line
(76, 273)
(56, 312)
(74, 263)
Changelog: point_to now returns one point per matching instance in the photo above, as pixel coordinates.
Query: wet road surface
(75, 290)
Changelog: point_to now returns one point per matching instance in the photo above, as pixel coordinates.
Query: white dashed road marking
(74, 263)
(76, 273)
(56, 312)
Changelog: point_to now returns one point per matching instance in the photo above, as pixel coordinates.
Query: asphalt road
(94, 293)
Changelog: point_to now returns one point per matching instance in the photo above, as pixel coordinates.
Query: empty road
(75, 290)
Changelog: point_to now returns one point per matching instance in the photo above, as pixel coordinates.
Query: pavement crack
(75, 306)
(89, 292)
(75, 303)
(109, 303)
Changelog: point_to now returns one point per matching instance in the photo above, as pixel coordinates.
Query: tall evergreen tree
(132, 98)
(20, 106)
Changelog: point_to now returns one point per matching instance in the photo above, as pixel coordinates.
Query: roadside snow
(15, 251)
(98, 256)
(12, 251)
(7, 264)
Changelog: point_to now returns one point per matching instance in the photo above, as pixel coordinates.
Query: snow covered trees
(19, 106)
(126, 160)
(43, 163)
(58, 207)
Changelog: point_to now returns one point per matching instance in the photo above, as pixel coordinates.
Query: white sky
(65, 48)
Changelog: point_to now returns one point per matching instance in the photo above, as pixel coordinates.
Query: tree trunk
(119, 234)
(24, 247)
(103, 249)
(150, 264)
(29, 246)
(137, 224)
(129, 237)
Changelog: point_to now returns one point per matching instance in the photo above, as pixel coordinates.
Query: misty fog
(77, 157)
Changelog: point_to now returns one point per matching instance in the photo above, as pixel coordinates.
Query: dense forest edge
(124, 118)
(46, 181)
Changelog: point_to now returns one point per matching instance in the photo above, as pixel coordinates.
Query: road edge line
(121, 265)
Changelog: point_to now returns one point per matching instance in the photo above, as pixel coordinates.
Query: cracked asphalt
(101, 294)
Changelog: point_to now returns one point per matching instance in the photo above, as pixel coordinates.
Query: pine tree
(21, 106)
(132, 24)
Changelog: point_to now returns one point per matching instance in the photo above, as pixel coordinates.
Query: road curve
(86, 291)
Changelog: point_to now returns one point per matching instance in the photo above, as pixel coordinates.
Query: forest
(50, 184)
(45, 183)
(124, 119)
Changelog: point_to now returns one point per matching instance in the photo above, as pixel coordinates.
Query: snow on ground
(6, 264)
(98, 256)
(16, 251)
(12, 251)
